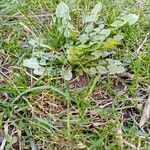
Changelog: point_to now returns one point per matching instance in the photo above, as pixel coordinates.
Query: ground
(101, 112)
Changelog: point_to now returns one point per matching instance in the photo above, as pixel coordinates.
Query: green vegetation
(74, 75)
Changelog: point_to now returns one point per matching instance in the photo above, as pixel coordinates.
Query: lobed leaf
(93, 16)
(130, 18)
(62, 10)
(31, 63)
(114, 69)
(118, 23)
(67, 75)
(102, 70)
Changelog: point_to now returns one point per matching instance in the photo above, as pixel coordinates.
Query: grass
(47, 113)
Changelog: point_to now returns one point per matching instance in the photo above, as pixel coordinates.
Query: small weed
(73, 74)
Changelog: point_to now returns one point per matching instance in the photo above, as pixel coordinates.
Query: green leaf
(99, 28)
(130, 18)
(112, 61)
(83, 38)
(97, 8)
(74, 34)
(97, 38)
(43, 55)
(110, 44)
(8, 147)
(14, 140)
(96, 55)
(89, 28)
(62, 10)
(118, 37)
(32, 42)
(102, 70)
(47, 71)
(93, 17)
(75, 54)
(42, 62)
(106, 54)
(92, 71)
(67, 32)
(70, 26)
(63, 24)
(38, 41)
(31, 63)
(52, 71)
(114, 69)
(105, 32)
(39, 71)
(118, 23)
(102, 62)
(67, 75)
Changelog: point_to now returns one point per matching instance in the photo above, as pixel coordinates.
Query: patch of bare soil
(78, 82)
